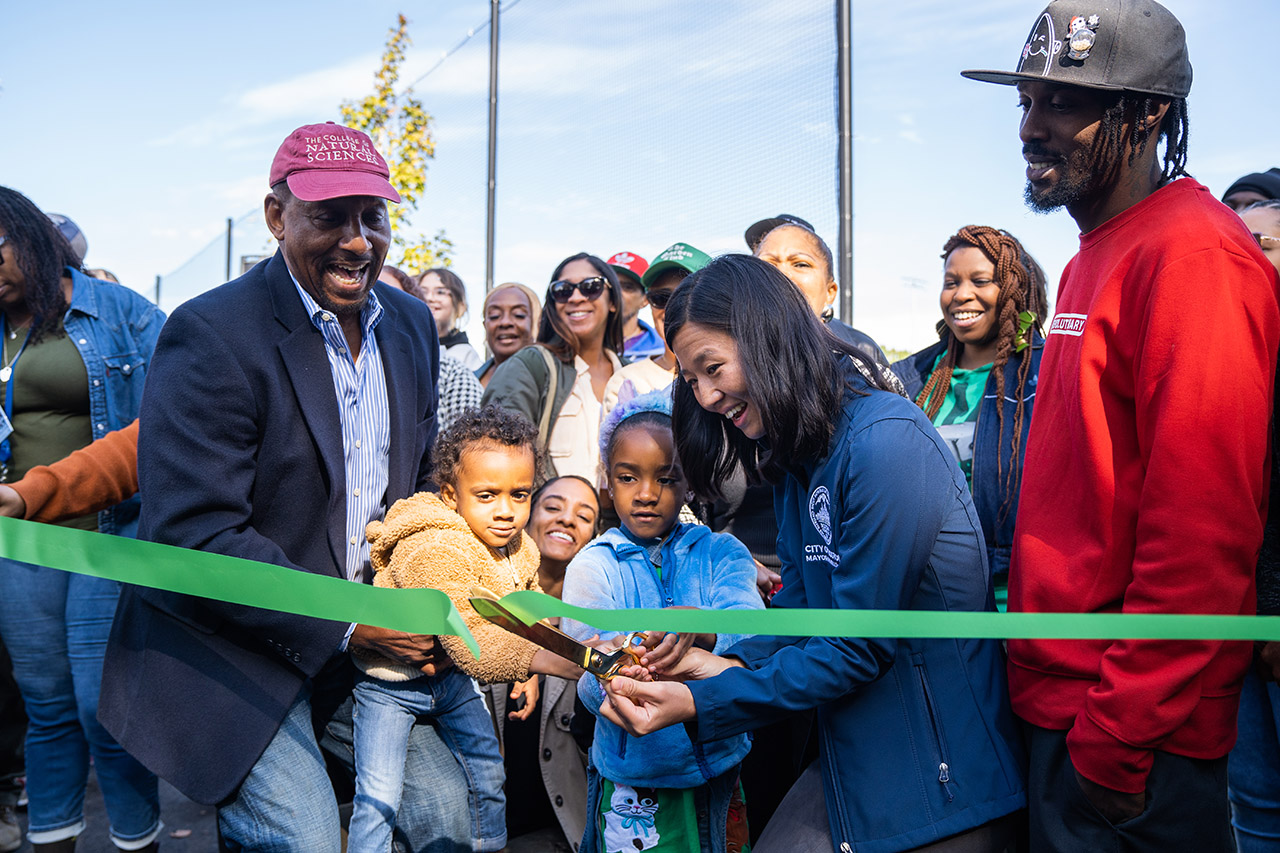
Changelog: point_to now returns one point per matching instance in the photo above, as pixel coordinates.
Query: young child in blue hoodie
(646, 792)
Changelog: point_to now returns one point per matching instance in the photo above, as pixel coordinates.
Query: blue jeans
(385, 711)
(1254, 766)
(286, 803)
(55, 625)
(433, 811)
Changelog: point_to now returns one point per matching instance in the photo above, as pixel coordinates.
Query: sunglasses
(659, 298)
(590, 288)
(1266, 241)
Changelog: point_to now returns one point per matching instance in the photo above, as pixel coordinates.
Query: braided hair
(1022, 288)
(1129, 108)
(42, 253)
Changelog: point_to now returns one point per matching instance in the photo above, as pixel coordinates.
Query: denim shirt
(114, 329)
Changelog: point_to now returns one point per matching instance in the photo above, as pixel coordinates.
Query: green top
(958, 414)
(51, 416)
(964, 396)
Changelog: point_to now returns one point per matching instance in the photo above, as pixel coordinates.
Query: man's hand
(420, 651)
(1115, 806)
(643, 708)
(11, 503)
(529, 690)
(1268, 661)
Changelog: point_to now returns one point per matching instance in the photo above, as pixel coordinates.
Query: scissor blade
(539, 634)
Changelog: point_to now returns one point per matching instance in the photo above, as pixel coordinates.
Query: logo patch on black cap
(1043, 41)
(1081, 35)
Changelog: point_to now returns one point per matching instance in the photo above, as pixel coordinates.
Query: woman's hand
(550, 663)
(767, 581)
(667, 650)
(529, 690)
(641, 708)
(634, 671)
(11, 503)
(697, 665)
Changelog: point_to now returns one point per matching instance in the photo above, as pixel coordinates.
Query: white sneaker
(10, 832)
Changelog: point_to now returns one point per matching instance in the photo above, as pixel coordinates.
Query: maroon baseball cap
(629, 264)
(323, 161)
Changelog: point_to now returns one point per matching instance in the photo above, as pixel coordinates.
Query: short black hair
(788, 359)
(490, 425)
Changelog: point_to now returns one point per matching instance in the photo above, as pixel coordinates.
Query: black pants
(1186, 805)
(13, 733)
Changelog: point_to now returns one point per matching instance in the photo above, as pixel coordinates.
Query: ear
(833, 290)
(449, 496)
(273, 210)
(1152, 120)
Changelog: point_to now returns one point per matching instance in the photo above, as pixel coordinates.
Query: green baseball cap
(680, 256)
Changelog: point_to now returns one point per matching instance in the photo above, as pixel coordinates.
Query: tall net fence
(620, 126)
(227, 256)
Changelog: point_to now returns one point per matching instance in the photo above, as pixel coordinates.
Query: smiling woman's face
(563, 520)
(709, 363)
(508, 322)
(586, 318)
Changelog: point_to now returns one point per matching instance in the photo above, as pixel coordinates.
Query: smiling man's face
(335, 248)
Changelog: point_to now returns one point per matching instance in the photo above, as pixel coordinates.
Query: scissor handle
(615, 660)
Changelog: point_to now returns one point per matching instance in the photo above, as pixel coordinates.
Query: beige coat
(423, 543)
(563, 765)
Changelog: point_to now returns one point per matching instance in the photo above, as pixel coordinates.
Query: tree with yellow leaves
(401, 129)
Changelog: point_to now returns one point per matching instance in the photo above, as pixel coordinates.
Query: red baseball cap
(323, 161)
(629, 264)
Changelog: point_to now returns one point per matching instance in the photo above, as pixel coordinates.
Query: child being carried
(471, 534)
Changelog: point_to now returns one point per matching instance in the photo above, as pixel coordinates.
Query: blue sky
(624, 126)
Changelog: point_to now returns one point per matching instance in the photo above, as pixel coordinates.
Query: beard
(1080, 182)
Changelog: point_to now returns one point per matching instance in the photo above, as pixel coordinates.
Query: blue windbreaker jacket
(917, 741)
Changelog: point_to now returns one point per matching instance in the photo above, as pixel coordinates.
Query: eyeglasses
(659, 298)
(590, 288)
(1264, 241)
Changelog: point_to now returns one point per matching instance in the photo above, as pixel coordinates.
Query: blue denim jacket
(114, 329)
(700, 569)
(994, 496)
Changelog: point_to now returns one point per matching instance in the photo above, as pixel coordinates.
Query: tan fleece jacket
(423, 543)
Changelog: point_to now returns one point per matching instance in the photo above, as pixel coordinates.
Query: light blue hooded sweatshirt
(699, 569)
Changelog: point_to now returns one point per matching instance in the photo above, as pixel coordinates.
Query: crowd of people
(325, 413)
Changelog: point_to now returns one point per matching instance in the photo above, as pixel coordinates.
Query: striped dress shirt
(361, 389)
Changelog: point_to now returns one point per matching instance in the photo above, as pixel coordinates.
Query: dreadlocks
(41, 252)
(1127, 110)
(1022, 289)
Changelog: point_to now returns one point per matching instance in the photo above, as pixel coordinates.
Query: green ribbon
(231, 579)
(429, 611)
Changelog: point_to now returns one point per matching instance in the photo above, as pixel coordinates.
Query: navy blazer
(240, 453)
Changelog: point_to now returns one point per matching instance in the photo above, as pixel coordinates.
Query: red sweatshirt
(1145, 482)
